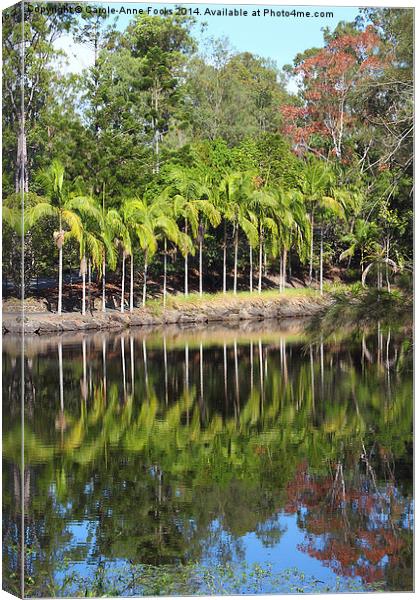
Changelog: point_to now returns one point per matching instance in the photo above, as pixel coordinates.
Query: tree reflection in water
(183, 449)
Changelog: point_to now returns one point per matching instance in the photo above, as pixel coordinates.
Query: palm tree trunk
(260, 262)
(89, 285)
(321, 261)
(186, 263)
(250, 268)
(103, 284)
(284, 267)
(280, 271)
(123, 282)
(224, 256)
(165, 258)
(145, 280)
(83, 269)
(200, 265)
(131, 283)
(235, 266)
(311, 258)
(60, 273)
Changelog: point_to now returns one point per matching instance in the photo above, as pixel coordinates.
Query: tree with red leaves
(353, 522)
(330, 77)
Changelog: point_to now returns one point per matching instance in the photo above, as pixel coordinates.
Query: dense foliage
(199, 170)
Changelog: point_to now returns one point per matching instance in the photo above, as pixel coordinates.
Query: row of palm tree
(271, 219)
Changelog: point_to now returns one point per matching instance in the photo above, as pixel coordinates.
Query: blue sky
(278, 38)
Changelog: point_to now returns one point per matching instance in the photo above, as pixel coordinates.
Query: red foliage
(349, 524)
(328, 78)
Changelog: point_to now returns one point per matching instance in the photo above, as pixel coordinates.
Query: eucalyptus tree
(60, 203)
(26, 108)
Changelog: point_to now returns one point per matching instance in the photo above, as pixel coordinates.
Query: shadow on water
(250, 459)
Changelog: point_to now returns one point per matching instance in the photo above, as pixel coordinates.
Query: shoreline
(200, 312)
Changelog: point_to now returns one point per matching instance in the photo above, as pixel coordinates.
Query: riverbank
(179, 311)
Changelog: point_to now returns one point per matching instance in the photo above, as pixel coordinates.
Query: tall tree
(331, 77)
(23, 113)
(60, 203)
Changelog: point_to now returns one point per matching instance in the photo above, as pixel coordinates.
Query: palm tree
(182, 241)
(318, 192)
(236, 189)
(293, 229)
(378, 258)
(58, 203)
(192, 201)
(110, 227)
(282, 240)
(91, 247)
(208, 211)
(89, 238)
(362, 237)
(263, 206)
(115, 233)
(316, 180)
(149, 221)
(127, 225)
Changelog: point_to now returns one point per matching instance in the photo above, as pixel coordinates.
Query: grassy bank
(219, 299)
(179, 300)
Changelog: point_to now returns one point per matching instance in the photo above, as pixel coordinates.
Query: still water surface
(249, 460)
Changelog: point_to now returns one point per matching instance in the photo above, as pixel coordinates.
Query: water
(219, 460)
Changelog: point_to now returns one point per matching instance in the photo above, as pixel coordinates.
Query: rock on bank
(179, 313)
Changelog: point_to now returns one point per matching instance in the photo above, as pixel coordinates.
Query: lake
(222, 460)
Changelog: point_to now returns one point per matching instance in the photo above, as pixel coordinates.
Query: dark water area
(221, 460)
